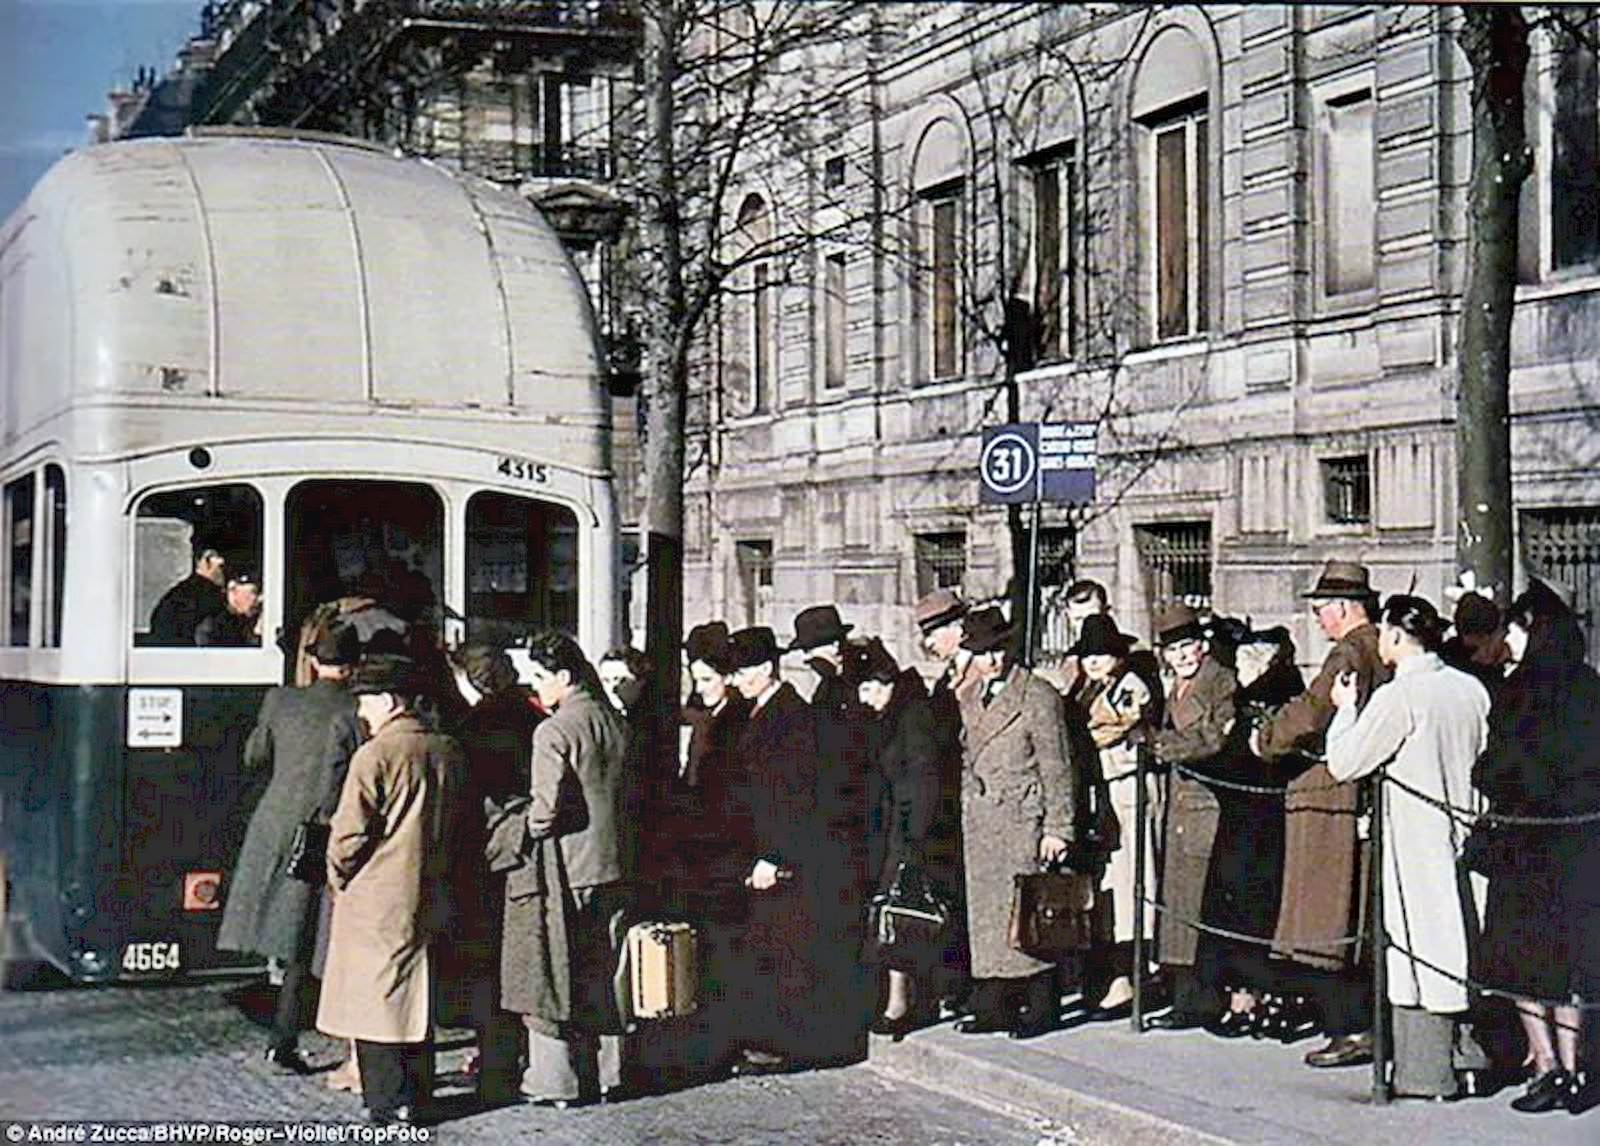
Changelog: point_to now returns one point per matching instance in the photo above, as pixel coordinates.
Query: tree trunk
(665, 379)
(1495, 40)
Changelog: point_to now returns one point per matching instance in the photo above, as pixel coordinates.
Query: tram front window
(522, 567)
(196, 563)
(378, 539)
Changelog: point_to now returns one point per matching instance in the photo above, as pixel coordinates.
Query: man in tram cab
(184, 607)
(237, 624)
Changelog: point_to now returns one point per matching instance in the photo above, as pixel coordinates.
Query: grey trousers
(564, 1063)
(1425, 1053)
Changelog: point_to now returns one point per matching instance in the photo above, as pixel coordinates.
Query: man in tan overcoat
(1322, 888)
(1018, 807)
(388, 854)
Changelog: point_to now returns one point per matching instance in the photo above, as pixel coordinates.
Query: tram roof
(272, 268)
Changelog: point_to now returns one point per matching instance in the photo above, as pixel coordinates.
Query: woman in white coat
(1425, 729)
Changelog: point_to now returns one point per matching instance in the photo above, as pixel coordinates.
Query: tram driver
(183, 608)
(238, 624)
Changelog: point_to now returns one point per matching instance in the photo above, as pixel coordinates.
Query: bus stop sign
(1024, 462)
(1008, 468)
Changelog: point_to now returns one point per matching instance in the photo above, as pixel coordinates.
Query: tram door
(378, 539)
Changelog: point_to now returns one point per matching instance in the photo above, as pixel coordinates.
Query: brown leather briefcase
(1052, 913)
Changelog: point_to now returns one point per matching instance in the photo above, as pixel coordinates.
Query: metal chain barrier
(1256, 940)
(1468, 816)
(1281, 791)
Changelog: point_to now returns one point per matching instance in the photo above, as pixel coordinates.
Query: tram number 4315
(523, 470)
(146, 957)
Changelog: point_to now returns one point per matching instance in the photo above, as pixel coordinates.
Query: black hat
(386, 643)
(339, 645)
(244, 577)
(818, 625)
(384, 673)
(869, 660)
(750, 647)
(486, 667)
(1476, 615)
(986, 630)
(709, 643)
(1100, 637)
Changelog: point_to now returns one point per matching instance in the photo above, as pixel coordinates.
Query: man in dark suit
(190, 602)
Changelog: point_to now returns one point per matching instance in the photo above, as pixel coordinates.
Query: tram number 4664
(146, 957)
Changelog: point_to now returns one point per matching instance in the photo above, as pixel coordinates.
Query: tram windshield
(377, 539)
(197, 568)
(522, 567)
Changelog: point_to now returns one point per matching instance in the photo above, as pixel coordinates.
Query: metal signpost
(1028, 463)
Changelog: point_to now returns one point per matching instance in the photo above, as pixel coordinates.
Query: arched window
(1171, 112)
(938, 183)
(751, 334)
(1049, 229)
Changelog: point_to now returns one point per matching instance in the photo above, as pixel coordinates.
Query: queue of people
(492, 839)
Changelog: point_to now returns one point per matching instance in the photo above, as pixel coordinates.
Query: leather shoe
(286, 1058)
(1232, 1025)
(758, 1062)
(973, 1025)
(1174, 1021)
(1552, 1090)
(1029, 1029)
(399, 1116)
(1347, 1050)
(896, 1029)
(1584, 1098)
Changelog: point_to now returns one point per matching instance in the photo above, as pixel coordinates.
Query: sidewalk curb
(1031, 1094)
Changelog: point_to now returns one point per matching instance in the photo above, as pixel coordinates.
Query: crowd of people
(491, 834)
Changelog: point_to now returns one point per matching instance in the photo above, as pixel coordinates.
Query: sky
(58, 58)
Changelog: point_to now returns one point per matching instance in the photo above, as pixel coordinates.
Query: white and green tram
(340, 370)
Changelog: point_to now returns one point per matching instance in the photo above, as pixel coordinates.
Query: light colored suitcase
(662, 967)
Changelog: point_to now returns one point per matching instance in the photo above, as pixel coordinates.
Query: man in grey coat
(571, 850)
(304, 737)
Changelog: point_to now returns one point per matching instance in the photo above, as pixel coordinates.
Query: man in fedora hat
(794, 976)
(388, 857)
(1018, 808)
(940, 617)
(1322, 893)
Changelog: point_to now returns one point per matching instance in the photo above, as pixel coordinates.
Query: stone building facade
(1233, 236)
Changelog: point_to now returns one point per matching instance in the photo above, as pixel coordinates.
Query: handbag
(911, 913)
(1052, 914)
(308, 853)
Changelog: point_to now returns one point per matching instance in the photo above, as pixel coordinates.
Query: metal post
(1140, 811)
(1032, 611)
(1380, 950)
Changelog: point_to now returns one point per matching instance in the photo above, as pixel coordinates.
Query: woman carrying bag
(903, 781)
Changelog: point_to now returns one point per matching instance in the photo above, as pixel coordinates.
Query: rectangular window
(1181, 224)
(190, 545)
(833, 321)
(1575, 159)
(943, 294)
(941, 561)
(1564, 545)
(1347, 490)
(1176, 561)
(754, 560)
(522, 567)
(761, 341)
(55, 555)
(1047, 261)
(1349, 195)
(833, 171)
(19, 560)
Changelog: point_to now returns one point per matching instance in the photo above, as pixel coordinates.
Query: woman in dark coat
(903, 790)
(497, 735)
(1541, 936)
(303, 739)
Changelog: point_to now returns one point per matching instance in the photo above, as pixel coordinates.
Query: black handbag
(308, 853)
(912, 913)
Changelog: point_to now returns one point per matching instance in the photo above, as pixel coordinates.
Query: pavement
(1101, 1083)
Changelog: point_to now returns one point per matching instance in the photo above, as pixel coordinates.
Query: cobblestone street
(190, 1053)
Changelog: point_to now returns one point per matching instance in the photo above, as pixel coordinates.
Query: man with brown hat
(1321, 903)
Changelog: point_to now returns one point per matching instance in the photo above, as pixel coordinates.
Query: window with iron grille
(1176, 558)
(833, 171)
(1347, 490)
(941, 561)
(1564, 545)
(1057, 556)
